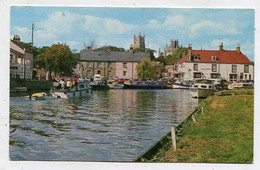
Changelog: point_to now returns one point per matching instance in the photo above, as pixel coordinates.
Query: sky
(203, 28)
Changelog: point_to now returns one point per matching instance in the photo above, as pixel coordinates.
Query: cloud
(59, 22)
(23, 32)
(248, 49)
(229, 43)
(106, 25)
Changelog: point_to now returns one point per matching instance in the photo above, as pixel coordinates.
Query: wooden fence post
(193, 118)
(173, 138)
(202, 110)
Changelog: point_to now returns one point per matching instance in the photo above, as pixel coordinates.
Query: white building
(231, 65)
(21, 61)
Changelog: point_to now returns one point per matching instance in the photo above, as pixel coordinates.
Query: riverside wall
(31, 84)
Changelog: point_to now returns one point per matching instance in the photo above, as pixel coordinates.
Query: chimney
(189, 52)
(238, 49)
(221, 47)
(131, 50)
(16, 38)
(89, 48)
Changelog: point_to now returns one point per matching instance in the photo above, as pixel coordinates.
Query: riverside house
(110, 64)
(231, 65)
(21, 61)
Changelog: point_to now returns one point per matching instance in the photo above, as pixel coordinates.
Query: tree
(146, 70)
(170, 60)
(112, 48)
(91, 44)
(178, 54)
(58, 59)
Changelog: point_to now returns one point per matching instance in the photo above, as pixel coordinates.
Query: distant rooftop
(112, 56)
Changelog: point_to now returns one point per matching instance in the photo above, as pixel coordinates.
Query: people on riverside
(62, 83)
(69, 84)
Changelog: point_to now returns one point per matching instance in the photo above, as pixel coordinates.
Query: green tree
(146, 70)
(179, 53)
(58, 59)
(112, 48)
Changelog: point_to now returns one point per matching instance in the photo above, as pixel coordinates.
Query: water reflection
(114, 125)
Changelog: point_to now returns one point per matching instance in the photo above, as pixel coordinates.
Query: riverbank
(32, 85)
(223, 133)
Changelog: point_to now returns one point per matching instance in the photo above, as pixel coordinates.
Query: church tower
(139, 41)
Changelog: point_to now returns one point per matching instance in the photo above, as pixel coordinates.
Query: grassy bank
(223, 133)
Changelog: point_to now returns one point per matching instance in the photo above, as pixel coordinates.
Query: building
(21, 61)
(110, 64)
(139, 41)
(231, 65)
(170, 49)
(159, 68)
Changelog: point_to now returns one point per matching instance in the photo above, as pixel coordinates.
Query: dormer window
(214, 58)
(195, 58)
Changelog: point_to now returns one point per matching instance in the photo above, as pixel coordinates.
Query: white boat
(115, 85)
(82, 89)
(181, 85)
(37, 96)
(202, 90)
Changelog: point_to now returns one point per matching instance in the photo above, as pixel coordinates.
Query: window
(11, 58)
(203, 87)
(234, 68)
(125, 65)
(214, 58)
(88, 64)
(246, 69)
(124, 73)
(109, 73)
(250, 77)
(214, 75)
(196, 58)
(245, 76)
(98, 64)
(195, 67)
(241, 77)
(81, 86)
(109, 64)
(214, 68)
(88, 73)
(232, 77)
(197, 75)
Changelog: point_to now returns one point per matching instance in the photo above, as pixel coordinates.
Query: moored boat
(115, 85)
(82, 89)
(181, 85)
(201, 90)
(37, 96)
(145, 85)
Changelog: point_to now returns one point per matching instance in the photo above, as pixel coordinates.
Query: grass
(223, 134)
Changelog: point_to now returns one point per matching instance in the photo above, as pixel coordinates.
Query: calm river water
(113, 125)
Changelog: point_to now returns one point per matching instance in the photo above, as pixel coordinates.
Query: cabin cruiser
(82, 89)
(37, 96)
(98, 83)
(181, 84)
(115, 85)
(202, 89)
(145, 85)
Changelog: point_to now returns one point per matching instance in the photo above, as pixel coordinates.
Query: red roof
(226, 56)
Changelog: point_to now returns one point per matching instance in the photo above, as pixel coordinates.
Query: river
(112, 125)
